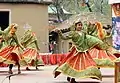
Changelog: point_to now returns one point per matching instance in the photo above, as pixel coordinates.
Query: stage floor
(45, 75)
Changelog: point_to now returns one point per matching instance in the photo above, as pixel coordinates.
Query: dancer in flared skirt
(11, 53)
(31, 54)
(103, 58)
(79, 63)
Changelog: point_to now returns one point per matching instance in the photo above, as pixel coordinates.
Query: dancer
(2, 45)
(103, 58)
(31, 54)
(79, 63)
(10, 54)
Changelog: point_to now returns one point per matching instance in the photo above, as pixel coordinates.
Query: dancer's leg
(73, 80)
(10, 69)
(68, 79)
(19, 71)
(36, 65)
(27, 68)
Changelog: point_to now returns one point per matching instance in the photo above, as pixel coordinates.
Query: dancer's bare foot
(68, 79)
(36, 68)
(27, 68)
(19, 72)
(73, 81)
(56, 73)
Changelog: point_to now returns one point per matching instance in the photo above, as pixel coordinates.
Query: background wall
(35, 15)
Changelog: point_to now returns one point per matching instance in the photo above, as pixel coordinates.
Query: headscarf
(14, 25)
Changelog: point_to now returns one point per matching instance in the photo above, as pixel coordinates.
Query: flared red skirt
(11, 55)
(103, 58)
(32, 57)
(78, 65)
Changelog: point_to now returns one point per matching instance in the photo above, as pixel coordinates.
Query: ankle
(73, 80)
(10, 71)
(68, 79)
(19, 72)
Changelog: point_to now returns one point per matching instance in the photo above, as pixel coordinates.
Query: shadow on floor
(16, 74)
(32, 70)
(3, 71)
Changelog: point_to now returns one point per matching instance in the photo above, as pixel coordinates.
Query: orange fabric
(81, 61)
(100, 30)
(32, 54)
(94, 53)
(9, 54)
(45, 59)
(53, 59)
(60, 57)
(70, 54)
(101, 54)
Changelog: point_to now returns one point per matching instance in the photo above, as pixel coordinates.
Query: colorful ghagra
(79, 63)
(103, 58)
(31, 55)
(11, 53)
